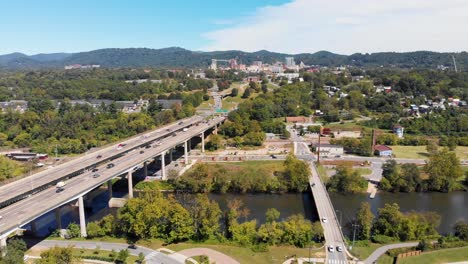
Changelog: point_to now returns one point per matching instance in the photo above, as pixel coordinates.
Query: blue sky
(292, 26)
(51, 26)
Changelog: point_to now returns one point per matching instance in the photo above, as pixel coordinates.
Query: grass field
(362, 252)
(277, 254)
(90, 253)
(439, 256)
(207, 104)
(344, 126)
(385, 259)
(363, 171)
(419, 152)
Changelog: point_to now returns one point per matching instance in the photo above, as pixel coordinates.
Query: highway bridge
(29, 198)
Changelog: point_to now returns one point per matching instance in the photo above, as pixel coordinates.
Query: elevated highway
(138, 151)
(25, 187)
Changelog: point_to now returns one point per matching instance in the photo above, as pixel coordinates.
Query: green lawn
(84, 253)
(439, 256)
(344, 126)
(419, 152)
(362, 252)
(207, 104)
(277, 254)
(385, 259)
(363, 171)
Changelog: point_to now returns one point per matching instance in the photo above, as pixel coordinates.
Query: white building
(330, 151)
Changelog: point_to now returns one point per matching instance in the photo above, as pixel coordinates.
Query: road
(20, 188)
(381, 250)
(22, 212)
(151, 256)
(331, 227)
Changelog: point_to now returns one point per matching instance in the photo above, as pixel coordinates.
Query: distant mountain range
(179, 57)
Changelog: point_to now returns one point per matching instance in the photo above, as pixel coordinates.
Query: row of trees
(187, 218)
(393, 225)
(203, 179)
(443, 169)
(346, 180)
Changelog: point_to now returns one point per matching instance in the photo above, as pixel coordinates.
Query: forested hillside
(179, 57)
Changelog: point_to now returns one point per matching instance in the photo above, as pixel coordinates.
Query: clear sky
(293, 26)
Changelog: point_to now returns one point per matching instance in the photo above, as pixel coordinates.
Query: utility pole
(354, 233)
(318, 146)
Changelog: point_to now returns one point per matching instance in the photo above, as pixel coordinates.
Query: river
(451, 206)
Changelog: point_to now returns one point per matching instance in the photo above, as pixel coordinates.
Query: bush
(260, 247)
(381, 239)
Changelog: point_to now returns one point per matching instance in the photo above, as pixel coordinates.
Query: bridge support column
(130, 184)
(145, 168)
(58, 218)
(185, 153)
(189, 144)
(163, 165)
(215, 131)
(109, 188)
(202, 135)
(3, 246)
(170, 154)
(82, 217)
(34, 227)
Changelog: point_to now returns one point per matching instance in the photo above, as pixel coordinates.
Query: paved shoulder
(381, 250)
(215, 256)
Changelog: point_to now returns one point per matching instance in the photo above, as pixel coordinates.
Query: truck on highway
(60, 186)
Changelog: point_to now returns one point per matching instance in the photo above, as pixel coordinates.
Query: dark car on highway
(95, 169)
(110, 165)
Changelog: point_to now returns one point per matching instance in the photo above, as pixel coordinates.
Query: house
(328, 150)
(297, 119)
(383, 151)
(398, 130)
(15, 105)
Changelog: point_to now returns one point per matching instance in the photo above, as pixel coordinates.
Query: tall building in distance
(290, 63)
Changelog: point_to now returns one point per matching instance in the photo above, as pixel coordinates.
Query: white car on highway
(324, 219)
(331, 248)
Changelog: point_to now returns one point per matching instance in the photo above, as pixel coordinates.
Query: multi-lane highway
(36, 182)
(21, 212)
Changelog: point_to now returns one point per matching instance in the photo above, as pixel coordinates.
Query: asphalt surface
(22, 212)
(151, 256)
(331, 228)
(381, 250)
(26, 185)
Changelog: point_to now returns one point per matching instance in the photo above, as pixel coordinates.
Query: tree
(234, 92)
(73, 230)
(206, 215)
(296, 174)
(346, 180)
(94, 230)
(246, 93)
(245, 234)
(272, 215)
(141, 257)
(364, 218)
(214, 143)
(58, 255)
(461, 230)
(444, 170)
(122, 256)
(432, 147)
(14, 252)
(297, 231)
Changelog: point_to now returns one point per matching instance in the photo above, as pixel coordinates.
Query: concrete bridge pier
(163, 164)
(82, 217)
(186, 153)
(3, 246)
(145, 168)
(109, 188)
(58, 218)
(202, 135)
(130, 184)
(170, 154)
(34, 227)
